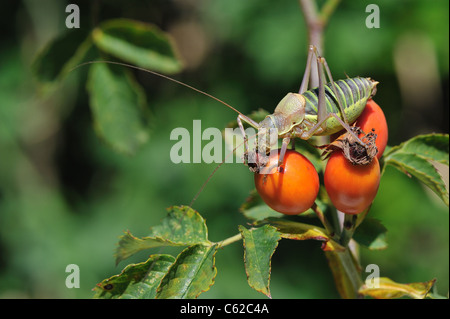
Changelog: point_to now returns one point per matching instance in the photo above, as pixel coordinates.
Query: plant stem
(324, 220)
(344, 266)
(327, 10)
(229, 240)
(346, 273)
(348, 229)
(315, 34)
(316, 22)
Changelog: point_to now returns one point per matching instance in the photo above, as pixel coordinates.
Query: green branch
(229, 240)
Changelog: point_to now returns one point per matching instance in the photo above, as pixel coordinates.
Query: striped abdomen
(353, 94)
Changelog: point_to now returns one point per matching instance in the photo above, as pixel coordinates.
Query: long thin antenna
(160, 75)
(185, 85)
(204, 184)
(214, 171)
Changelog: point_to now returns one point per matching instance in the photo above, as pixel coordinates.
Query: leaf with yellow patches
(300, 231)
(385, 288)
(183, 226)
(259, 246)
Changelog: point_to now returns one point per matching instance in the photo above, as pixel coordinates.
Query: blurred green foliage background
(65, 196)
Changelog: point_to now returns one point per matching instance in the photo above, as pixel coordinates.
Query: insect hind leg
(312, 50)
(322, 112)
(334, 89)
(308, 134)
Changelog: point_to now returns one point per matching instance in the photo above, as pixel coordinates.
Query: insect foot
(265, 146)
(251, 160)
(257, 161)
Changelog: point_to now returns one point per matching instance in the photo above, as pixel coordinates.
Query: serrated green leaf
(388, 289)
(416, 157)
(192, 273)
(118, 106)
(301, 231)
(136, 281)
(259, 246)
(422, 169)
(182, 226)
(60, 55)
(371, 234)
(434, 147)
(138, 43)
(130, 245)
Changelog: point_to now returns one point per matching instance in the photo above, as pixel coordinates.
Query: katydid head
(289, 112)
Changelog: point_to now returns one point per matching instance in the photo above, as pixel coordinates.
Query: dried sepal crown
(355, 152)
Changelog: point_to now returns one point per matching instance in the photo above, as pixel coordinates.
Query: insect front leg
(266, 170)
(241, 127)
(284, 146)
(254, 124)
